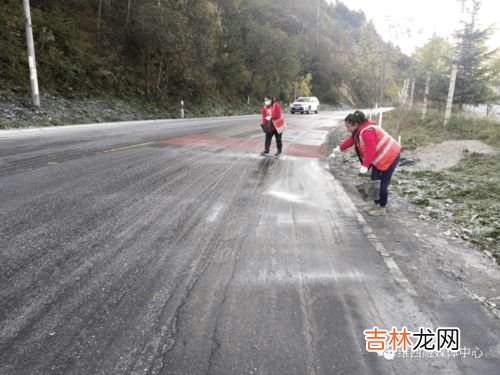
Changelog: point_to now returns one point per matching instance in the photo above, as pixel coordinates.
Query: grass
(465, 197)
(416, 133)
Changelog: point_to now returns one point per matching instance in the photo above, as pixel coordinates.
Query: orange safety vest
(386, 151)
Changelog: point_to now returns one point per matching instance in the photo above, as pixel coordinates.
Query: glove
(268, 118)
(363, 169)
(332, 155)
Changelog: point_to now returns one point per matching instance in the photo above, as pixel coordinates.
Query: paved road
(170, 247)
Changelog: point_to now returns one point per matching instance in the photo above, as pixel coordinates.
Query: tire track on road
(207, 173)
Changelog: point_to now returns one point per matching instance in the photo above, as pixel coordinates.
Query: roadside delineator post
(182, 108)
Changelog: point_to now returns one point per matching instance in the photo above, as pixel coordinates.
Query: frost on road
(172, 248)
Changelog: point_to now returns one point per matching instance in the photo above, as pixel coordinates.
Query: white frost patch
(286, 196)
(287, 219)
(282, 276)
(214, 212)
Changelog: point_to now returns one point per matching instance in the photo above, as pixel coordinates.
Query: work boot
(263, 153)
(278, 153)
(378, 211)
(371, 207)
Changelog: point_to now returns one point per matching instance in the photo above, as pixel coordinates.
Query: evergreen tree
(474, 73)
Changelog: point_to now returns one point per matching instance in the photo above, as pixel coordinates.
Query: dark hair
(355, 118)
(270, 97)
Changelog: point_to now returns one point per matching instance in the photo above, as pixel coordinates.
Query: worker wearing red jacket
(271, 111)
(376, 149)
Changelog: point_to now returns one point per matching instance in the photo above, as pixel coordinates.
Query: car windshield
(303, 100)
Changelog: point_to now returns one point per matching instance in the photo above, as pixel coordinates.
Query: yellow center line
(125, 147)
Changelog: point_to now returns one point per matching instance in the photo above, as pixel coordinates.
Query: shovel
(369, 190)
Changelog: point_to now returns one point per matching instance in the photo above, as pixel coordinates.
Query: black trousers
(385, 180)
(269, 137)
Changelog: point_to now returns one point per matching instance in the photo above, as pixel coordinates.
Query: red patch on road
(304, 151)
(251, 145)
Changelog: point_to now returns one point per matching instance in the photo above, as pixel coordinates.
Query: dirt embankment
(446, 154)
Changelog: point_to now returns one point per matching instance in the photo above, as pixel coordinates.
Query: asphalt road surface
(171, 247)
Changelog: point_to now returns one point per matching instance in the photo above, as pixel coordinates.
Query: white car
(305, 104)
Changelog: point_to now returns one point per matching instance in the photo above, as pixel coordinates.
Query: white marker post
(182, 108)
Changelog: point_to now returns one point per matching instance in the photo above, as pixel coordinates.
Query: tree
(494, 66)
(474, 72)
(370, 65)
(432, 62)
(203, 51)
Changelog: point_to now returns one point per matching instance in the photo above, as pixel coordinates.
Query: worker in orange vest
(271, 111)
(376, 149)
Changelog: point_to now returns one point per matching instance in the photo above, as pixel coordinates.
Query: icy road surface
(171, 247)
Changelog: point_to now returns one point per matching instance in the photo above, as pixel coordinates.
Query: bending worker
(376, 149)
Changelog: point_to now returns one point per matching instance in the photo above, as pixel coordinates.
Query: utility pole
(99, 12)
(453, 78)
(128, 11)
(403, 96)
(317, 27)
(451, 92)
(412, 92)
(31, 55)
(426, 94)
